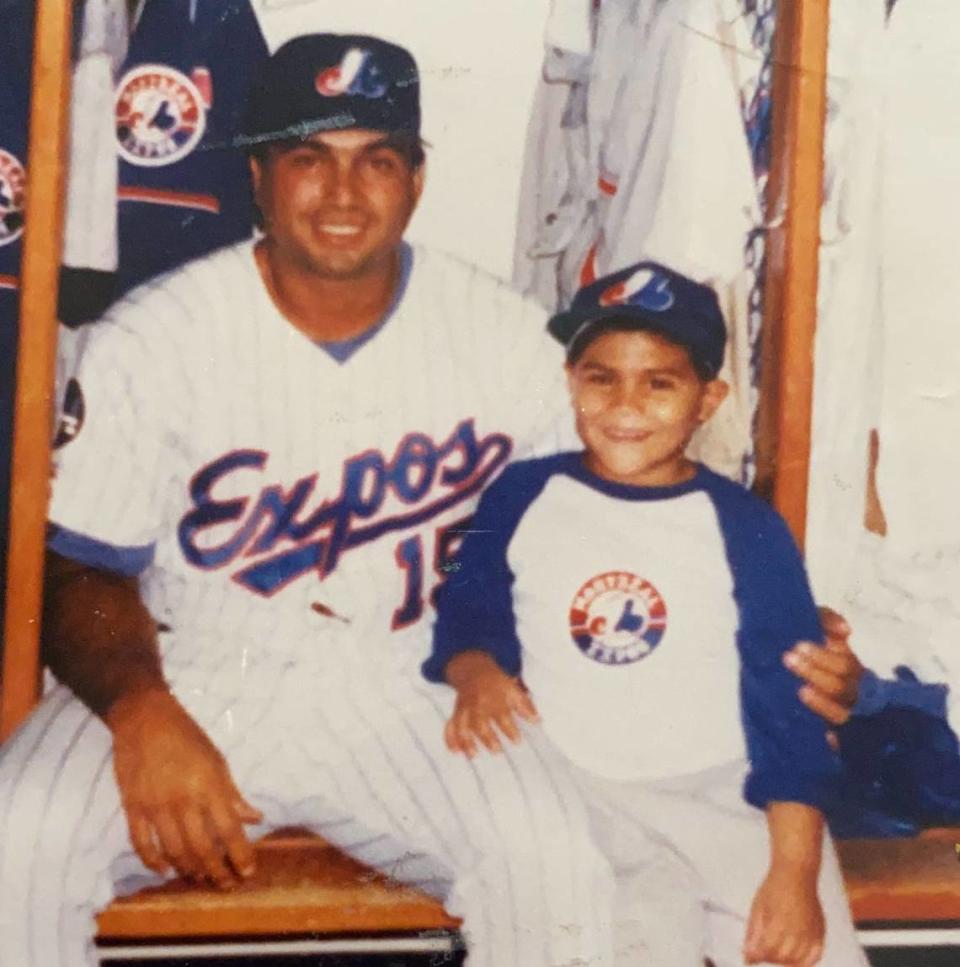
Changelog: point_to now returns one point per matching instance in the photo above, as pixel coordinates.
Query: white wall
(920, 422)
(479, 61)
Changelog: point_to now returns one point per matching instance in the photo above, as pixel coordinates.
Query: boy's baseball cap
(658, 299)
(328, 82)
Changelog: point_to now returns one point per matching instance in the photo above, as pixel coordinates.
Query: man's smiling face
(337, 204)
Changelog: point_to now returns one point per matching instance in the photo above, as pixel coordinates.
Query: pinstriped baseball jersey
(268, 492)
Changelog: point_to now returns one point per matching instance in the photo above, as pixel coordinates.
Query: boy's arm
(786, 923)
(790, 756)
(796, 837)
(794, 773)
(488, 699)
(475, 644)
(474, 604)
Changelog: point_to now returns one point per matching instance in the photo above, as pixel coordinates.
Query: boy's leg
(504, 840)
(659, 919)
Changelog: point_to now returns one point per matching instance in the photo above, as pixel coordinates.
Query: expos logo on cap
(646, 288)
(653, 297)
(332, 82)
(357, 73)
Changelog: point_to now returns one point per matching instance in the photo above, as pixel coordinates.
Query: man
(267, 461)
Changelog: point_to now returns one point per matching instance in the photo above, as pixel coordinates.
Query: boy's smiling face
(638, 399)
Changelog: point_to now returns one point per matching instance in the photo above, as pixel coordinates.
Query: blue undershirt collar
(342, 349)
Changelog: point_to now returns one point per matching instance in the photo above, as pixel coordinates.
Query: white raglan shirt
(612, 599)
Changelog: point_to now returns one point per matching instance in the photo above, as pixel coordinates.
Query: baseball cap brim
(572, 326)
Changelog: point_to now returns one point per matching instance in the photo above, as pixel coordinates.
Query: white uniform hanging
(649, 160)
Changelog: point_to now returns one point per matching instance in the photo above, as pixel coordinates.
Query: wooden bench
(306, 896)
(908, 881)
(306, 890)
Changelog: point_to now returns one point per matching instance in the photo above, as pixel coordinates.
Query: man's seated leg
(504, 840)
(61, 829)
(65, 849)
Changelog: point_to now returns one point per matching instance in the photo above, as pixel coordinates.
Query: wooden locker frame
(36, 360)
(794, 197)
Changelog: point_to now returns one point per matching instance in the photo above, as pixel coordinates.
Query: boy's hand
(786, 922)
(488, 699)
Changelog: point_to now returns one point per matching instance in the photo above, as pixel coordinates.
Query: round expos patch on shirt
(13, 179)
(617, 618)
(161, 115)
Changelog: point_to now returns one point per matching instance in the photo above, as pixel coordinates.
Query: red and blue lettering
(427, 477)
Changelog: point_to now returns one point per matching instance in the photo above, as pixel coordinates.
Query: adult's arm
(182, 806)
(836, 685)
(831, 673)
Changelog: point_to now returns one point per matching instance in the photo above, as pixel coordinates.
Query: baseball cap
(327, 82)
(657, 299)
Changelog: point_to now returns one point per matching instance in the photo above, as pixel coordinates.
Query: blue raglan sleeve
(474, 605)
(790, 758)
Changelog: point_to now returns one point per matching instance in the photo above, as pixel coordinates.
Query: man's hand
(786, 922)
(831, 672)
(182, 807)
(487, 700)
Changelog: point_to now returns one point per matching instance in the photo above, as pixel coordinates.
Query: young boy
(649, 603)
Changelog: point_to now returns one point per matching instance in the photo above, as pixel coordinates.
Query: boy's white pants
(689, 855)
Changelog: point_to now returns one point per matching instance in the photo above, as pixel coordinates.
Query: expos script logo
(645, 288)
(357, 73)
(293, 531)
